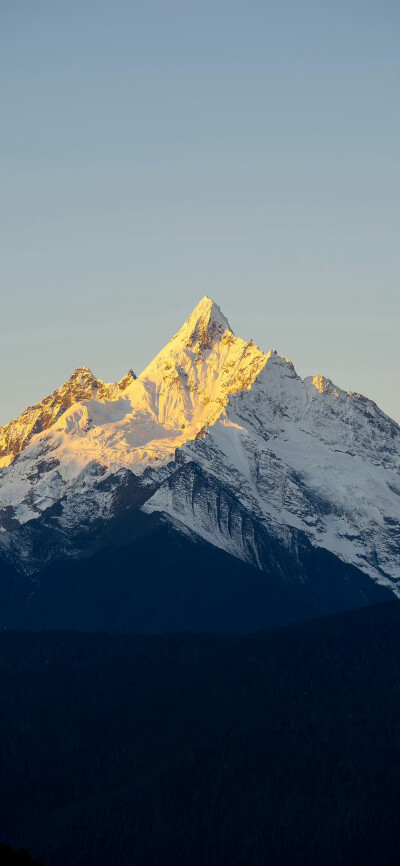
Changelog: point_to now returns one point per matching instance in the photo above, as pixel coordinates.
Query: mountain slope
(132, 572)
(210, 422)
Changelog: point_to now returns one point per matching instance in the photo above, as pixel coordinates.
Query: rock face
(228, 446)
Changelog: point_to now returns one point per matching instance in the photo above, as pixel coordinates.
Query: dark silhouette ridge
(8, 857)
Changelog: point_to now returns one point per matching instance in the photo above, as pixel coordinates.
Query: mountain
(251, 488)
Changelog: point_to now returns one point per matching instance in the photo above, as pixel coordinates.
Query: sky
(153, 152)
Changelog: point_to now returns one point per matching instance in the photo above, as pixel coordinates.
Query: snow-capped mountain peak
(81, 386)
(203, 328)
(297, 453)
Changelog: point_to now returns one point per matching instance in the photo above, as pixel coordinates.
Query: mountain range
(215, 491)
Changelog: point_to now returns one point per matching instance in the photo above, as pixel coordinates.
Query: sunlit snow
(295, 452)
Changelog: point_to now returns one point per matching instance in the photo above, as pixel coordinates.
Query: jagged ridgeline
(217, 489)
(82, 385)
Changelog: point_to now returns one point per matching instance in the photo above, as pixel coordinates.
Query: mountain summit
(223, 442)
(203, 328)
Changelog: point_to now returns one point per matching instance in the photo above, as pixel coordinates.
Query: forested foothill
(280, 747)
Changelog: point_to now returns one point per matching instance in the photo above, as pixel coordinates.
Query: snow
(295, 452)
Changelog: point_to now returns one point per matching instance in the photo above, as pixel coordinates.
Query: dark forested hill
(280, 747)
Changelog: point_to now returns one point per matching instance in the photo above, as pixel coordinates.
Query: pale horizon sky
(154, 152)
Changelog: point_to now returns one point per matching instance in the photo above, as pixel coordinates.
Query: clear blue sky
(155, 151)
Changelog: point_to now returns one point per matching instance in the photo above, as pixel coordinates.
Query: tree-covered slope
(271, 748)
